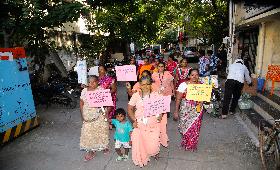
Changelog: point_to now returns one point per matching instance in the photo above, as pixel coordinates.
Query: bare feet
(89, 156)
(106, 151)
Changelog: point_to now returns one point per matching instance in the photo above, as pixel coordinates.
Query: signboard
(156, 105)
(199, 92)
(82, 71)
(126, 73)
(99, 98)
(16, 99)
(93, 71)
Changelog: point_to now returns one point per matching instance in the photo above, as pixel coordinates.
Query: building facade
(254, 35)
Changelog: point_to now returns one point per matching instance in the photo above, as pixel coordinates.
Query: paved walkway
(223, 145)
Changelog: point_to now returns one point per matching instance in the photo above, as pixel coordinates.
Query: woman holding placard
(189, 113)
(95, 128)
(164, 85)
(136, 88)
(146, 133)
(108, 82)
(130, 84)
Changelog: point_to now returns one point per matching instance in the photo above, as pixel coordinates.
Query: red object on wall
(17, 52)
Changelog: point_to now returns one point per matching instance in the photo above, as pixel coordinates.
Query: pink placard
(99, 98)
(126, 73)
(156, 105)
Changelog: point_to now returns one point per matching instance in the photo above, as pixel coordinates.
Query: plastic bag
(244, 102)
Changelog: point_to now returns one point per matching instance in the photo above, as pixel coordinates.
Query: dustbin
(260, 84)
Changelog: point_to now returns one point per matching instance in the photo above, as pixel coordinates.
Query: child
(122, 134)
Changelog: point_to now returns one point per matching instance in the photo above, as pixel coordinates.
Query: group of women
(159, 78)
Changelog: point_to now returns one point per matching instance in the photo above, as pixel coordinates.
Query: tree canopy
(30, 23)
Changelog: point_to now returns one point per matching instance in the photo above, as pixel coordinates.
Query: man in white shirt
(233, 86)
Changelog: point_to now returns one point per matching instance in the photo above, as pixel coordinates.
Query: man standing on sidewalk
(233, 86)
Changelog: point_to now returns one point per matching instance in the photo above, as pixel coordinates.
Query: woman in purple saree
(108, 82)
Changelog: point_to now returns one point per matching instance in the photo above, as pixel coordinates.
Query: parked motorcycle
(55, 91)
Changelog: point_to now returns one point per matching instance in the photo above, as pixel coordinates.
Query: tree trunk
(6, 39)
(126, 52)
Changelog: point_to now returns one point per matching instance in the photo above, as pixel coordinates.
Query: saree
(105, 82)
(182, 75)
(190, 119)
(95, 130)
(189, 124)
(146, 137)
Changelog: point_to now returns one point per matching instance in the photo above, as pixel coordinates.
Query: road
(223, 145)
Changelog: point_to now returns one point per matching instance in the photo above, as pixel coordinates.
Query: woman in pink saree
(107, 82)
(163, 81)
(145, 136)
(189, 113)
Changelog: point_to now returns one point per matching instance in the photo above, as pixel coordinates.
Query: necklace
(161, 79)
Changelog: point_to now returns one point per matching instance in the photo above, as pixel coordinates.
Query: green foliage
(29, 22)
(149, 21)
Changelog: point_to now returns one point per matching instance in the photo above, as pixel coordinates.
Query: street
(223, 145)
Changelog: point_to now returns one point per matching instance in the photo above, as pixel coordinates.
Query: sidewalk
(223, 145)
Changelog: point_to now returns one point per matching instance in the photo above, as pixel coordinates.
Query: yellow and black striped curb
(19, 130)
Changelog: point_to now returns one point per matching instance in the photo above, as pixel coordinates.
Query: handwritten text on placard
(199, 92)
(156, 105)
(126, 73)
(99, 98)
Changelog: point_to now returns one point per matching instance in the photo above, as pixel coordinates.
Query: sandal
(89, 156)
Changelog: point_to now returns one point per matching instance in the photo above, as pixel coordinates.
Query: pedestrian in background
(95, 128)
(237, 72)
(204, 64)
(181, 73)
(189, 113)
(155, 64)
(145, 66)
(214, 62)
(222, 55)
(171, 65)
